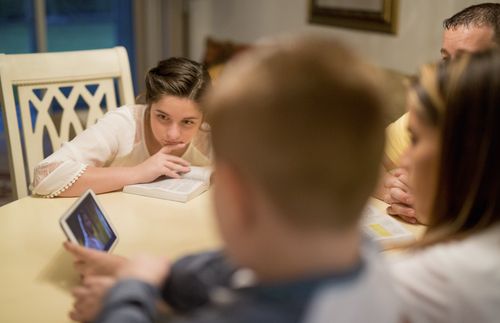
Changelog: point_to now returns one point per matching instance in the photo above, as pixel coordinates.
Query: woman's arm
(102, 179)
(108, 179)
(97, 146)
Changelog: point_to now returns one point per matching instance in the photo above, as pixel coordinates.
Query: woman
(134, 144)
(453, 275)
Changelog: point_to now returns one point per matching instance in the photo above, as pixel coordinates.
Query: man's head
(297, 126)
(473, 29)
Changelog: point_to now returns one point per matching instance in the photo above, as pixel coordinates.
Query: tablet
(85, 223)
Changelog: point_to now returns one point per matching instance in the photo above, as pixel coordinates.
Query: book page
(199, 173)
(182, 185)
(383, 228)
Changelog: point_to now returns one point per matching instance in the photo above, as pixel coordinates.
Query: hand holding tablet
(86, 224)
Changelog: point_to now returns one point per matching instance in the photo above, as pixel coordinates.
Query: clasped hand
(398, 195)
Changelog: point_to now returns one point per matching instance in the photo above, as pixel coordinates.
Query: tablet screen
(89, 225)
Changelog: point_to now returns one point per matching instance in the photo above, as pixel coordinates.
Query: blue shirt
(200, 289)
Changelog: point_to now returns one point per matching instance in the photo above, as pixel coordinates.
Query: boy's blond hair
(302, 119)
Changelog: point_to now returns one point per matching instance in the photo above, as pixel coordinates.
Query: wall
(418, 39)
(158, 26)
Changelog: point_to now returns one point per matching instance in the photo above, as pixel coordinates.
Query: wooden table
(36, 274)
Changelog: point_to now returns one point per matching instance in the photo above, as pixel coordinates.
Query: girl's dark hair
(468, 188)
(177, 76)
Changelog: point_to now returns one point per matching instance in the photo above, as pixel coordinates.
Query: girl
(454, 273)
(134, 144)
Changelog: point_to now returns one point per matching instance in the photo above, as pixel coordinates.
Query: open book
(176, 189)
(384, 229)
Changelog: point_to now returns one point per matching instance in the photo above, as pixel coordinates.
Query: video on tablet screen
(90, 227)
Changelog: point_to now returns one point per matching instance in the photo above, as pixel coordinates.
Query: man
(473, 29)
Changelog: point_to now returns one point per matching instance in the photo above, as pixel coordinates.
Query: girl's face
(422, 162)
(174, 122)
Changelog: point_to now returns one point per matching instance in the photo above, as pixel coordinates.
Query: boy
(298, 137)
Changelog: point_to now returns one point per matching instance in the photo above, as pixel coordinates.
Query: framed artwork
(371, 15)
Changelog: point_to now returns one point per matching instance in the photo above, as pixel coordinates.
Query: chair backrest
(48, 98)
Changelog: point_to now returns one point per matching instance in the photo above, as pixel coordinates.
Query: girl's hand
(162, 163)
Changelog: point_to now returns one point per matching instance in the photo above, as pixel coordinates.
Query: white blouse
(117, 139)
(455, 282)
(371, 297)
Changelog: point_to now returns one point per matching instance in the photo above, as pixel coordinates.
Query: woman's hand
(162, 163)
(398, 195)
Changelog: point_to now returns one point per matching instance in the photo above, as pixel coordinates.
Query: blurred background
(206, 30)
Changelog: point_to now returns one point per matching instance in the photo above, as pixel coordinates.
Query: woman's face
(422, 160)
(174, 121)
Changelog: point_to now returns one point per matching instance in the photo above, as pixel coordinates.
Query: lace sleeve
(42, 171)
(51, 179)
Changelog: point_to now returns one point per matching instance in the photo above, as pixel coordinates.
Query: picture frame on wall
(371, 15)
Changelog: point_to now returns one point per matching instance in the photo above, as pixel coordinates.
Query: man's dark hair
(480, 15)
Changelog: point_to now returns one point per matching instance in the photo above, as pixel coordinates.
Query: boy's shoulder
(320, 299)
(295, 301)
(244, 310)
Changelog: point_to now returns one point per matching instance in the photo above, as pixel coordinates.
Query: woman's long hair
(462, 98)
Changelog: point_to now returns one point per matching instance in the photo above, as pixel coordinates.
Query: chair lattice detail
(58, 96)
(58, 133)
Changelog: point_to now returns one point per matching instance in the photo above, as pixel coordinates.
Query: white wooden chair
(57, 96)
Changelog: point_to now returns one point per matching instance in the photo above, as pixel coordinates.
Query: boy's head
(299, 126)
